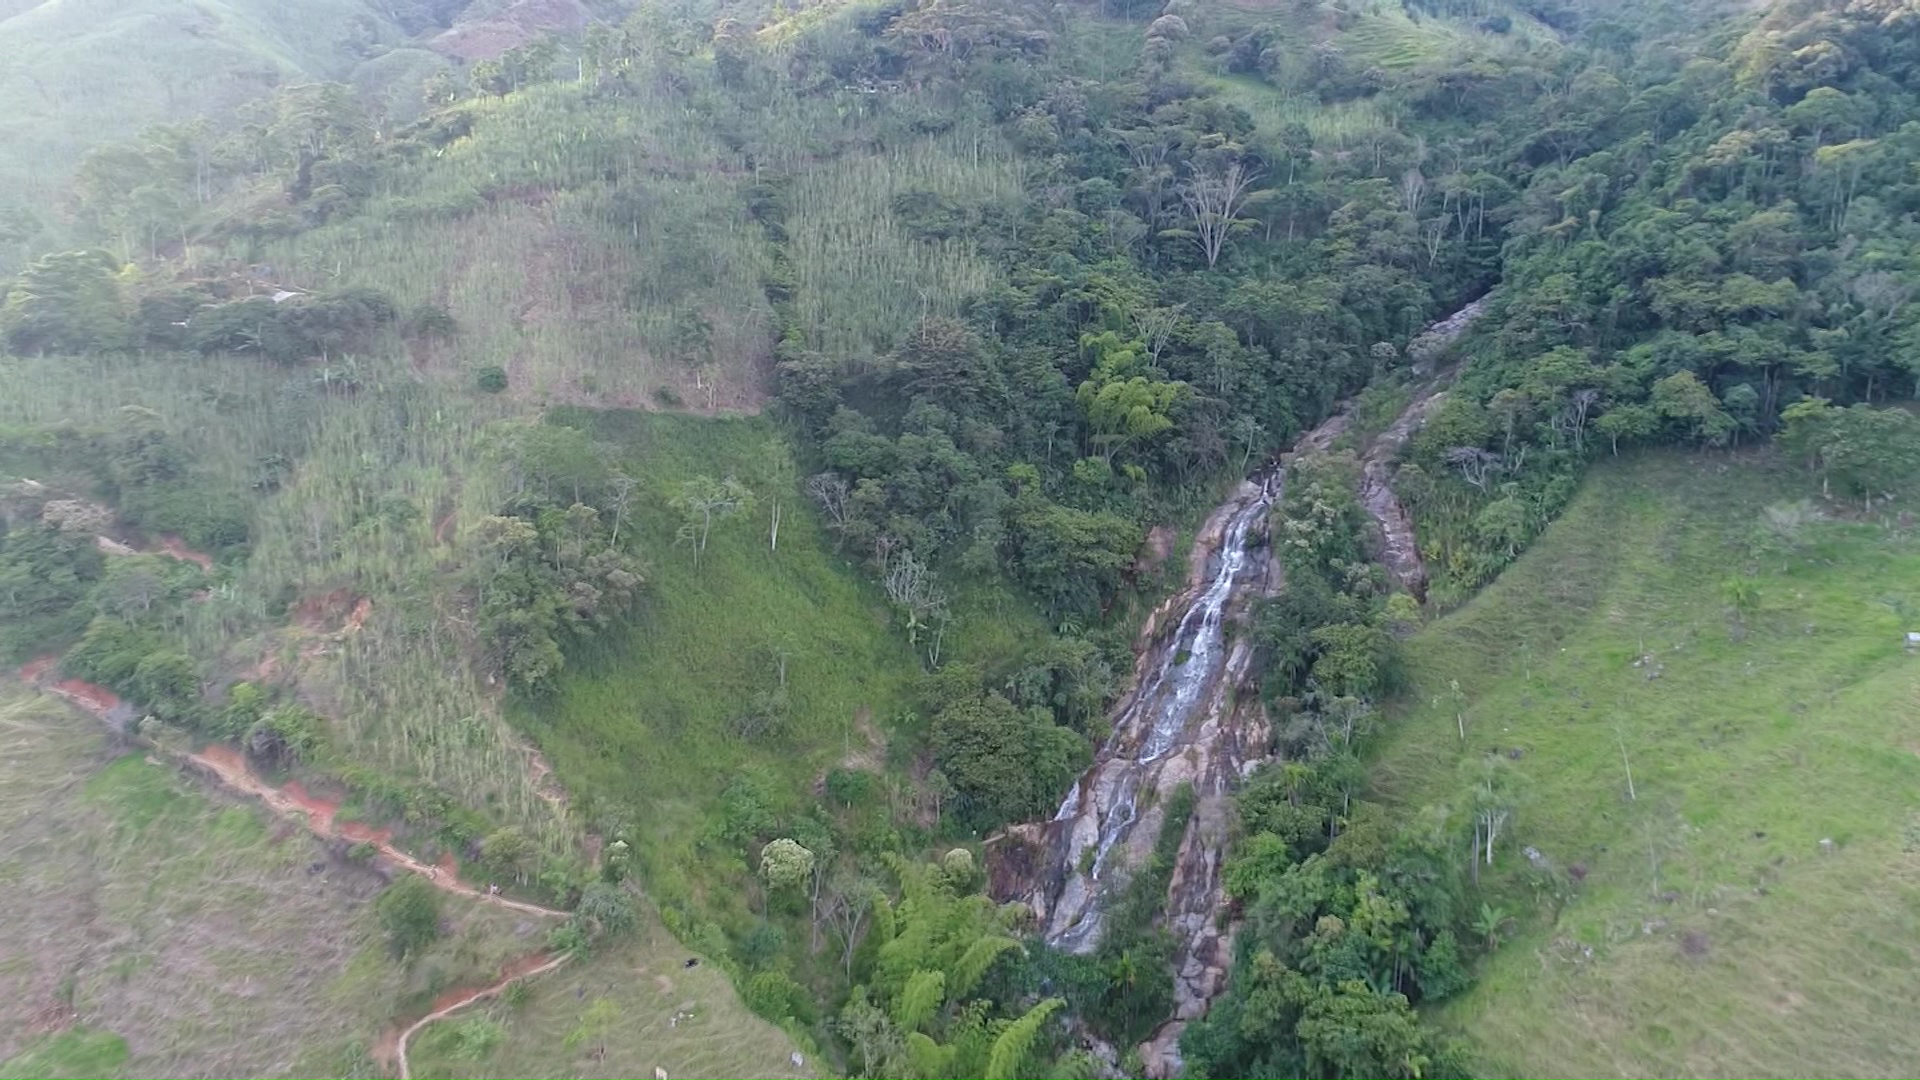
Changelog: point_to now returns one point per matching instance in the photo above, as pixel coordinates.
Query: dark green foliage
(1869, 453)
(1124, 989)
(150, 475)
(491, 379)
(143, 665)
(431, 321)
(409, 912)
(284, 736)
(1007, 764)
(66, 303)
(1337, 947)
(550, 571)
(775, 996)
(46, 575)
(298, 328)
(1695, 249)
(605, 910)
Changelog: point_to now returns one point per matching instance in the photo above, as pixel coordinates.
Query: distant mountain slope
(75, 73)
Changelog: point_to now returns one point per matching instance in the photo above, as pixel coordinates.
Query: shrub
(775, 996)
(492, 378)
(409, 912)
(431, 321)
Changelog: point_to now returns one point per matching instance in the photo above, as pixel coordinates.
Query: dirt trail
(229, 767)
(391, 1051)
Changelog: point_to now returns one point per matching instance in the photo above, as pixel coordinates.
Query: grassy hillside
(673, 688)
(662, 1015)
(1753, 907)
(154, 931)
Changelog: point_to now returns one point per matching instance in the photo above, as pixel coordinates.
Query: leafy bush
(409, 911)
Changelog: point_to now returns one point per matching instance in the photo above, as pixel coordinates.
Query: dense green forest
(768, 415)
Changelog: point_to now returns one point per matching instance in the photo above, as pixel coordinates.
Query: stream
(1193, 716)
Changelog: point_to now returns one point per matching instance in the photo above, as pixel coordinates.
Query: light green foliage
(75, 1052)
(919, 999)
(915, 1014)
(672, 686)
(1013, 1051)
(477, 1037)
(703, 501)
(859, 266)
(591, 1032)
(785, 864)
(1744, 754)
(1124, 406)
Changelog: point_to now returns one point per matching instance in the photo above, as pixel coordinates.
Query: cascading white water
(1161, 714)
(1184, 725)
(1184, 689)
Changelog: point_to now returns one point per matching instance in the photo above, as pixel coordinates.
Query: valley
(1195, 539)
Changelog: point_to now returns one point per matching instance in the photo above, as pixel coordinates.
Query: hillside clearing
(204, 937)
(1754, 907)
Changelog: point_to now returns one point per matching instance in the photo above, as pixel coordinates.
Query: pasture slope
(1752, 906)
(157, 930)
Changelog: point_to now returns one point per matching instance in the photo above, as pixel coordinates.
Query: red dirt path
(391, 1051)
(293, 801)
(231, 769)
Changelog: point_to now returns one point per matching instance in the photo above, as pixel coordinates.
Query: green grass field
(643, 703)
(659, 1014)
(153, 930)
(1702, 926)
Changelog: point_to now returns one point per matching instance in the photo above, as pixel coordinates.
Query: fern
(1078, 1065)
(973, 964)
(1015, 1045)
(919, 999)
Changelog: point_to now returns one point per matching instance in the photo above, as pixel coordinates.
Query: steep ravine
(1193, 716)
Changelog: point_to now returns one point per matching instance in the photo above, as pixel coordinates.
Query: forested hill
(784, 418)
(75, 74)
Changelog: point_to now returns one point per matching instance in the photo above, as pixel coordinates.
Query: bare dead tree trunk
(1213, 203)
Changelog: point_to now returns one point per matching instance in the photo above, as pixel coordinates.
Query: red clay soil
(391, 1051)
(294, 801)
(97, 700)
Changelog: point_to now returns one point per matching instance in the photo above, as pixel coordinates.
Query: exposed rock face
(1183, 722)
(1396, 546)
(1397, 550)
(1192, 716)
